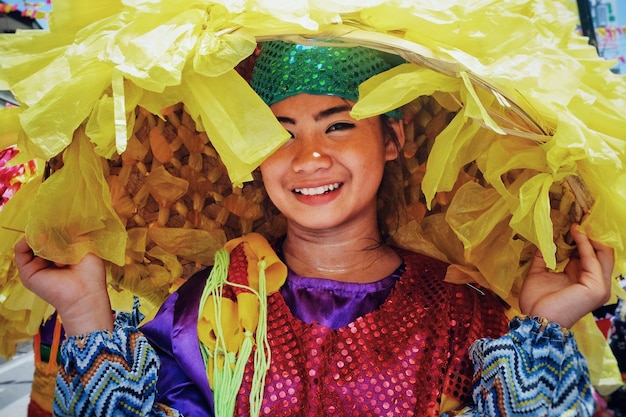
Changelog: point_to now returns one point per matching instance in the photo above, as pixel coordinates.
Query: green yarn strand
(215, 282)
(262, 355)
(227, 381)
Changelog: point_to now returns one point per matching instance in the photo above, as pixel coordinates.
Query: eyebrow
(319, 116)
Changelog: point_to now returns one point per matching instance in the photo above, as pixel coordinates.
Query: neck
(357, 256)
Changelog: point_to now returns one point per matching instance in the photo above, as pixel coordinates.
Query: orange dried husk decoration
(177, 206)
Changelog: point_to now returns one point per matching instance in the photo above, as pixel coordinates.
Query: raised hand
(583, 286)
(78, 292)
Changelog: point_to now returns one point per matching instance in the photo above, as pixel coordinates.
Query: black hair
(391, 198)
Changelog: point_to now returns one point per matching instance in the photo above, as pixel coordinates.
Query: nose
(310, 155)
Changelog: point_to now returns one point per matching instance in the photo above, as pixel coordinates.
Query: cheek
(269, 166)
(271, 174)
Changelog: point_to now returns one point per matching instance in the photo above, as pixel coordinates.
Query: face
(327, 175)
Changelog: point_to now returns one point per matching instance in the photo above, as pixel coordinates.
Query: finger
(28, 264)
(596, 265)
(538, 264)
(572, 269)
(588, 259)
(23, 255)
(91, 264)
(606, 257)
(22, 248)
(583, 244)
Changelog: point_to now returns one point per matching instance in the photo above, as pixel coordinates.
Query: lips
(322, 189)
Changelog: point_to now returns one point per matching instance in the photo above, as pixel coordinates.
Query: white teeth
(317, 190)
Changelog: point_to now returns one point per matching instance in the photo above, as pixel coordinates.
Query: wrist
(554, 313)
(537, 324)
(87, 316)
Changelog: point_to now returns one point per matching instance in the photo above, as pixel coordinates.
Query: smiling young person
(330, 319)
(325, 181)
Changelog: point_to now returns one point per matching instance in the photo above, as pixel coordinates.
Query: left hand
(566, 297)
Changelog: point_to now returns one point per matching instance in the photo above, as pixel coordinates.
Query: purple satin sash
(182, 383)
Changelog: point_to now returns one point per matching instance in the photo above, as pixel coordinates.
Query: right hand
(582, 287)
(78, 292)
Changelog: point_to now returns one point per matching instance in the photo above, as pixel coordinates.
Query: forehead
(311, 105)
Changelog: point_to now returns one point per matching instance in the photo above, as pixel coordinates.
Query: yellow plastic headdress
(513, 118)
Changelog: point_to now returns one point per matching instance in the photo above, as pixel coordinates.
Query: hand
(566, 297)
(78, 292)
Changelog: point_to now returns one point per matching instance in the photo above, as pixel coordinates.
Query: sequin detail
(284, 69)
(395, 361)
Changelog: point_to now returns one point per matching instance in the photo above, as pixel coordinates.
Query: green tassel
(227, 381)
(262, 356)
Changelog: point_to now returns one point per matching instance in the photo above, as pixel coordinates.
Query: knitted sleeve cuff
(534, 369)
(109, 373)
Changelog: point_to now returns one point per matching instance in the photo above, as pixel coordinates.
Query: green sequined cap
(285, 69)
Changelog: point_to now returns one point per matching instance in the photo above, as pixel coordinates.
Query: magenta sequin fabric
(395, 361)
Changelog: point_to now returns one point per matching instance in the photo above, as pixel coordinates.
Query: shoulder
(193, 284)
(180, 306)
(422, 270)
(426, 268)
(420, 261)
(429, 276)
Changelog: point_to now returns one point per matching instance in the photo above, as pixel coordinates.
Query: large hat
(514, 121)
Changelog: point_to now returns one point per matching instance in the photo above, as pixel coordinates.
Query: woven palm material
(285, 69)
(544, 374)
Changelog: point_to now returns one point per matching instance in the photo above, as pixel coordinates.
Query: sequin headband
(285, 69)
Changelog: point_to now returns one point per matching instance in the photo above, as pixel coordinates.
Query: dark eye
(340, 126)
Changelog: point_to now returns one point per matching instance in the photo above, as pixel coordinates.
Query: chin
(312, 224)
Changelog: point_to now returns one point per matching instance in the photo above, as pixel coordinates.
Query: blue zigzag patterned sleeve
(107, 374)
(533, 370)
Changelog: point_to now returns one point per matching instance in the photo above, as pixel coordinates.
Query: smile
(318, 190)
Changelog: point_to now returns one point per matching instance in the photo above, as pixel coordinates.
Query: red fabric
(9, 181)
(35, 410)
(395, 361)
(604, 325)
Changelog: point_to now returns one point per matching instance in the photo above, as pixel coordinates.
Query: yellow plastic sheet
(9, 127)
(398, 86)
(480, 220)
(191, 244)
(77, 94)
(241, 127)
(73, 214)
(21, 312)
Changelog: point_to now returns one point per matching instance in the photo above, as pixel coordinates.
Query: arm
(536, 368)
(106, 370)
(109, 373)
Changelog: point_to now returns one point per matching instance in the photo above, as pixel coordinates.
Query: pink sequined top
(396, 360)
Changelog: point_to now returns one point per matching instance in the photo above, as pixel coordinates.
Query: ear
(393, 148)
